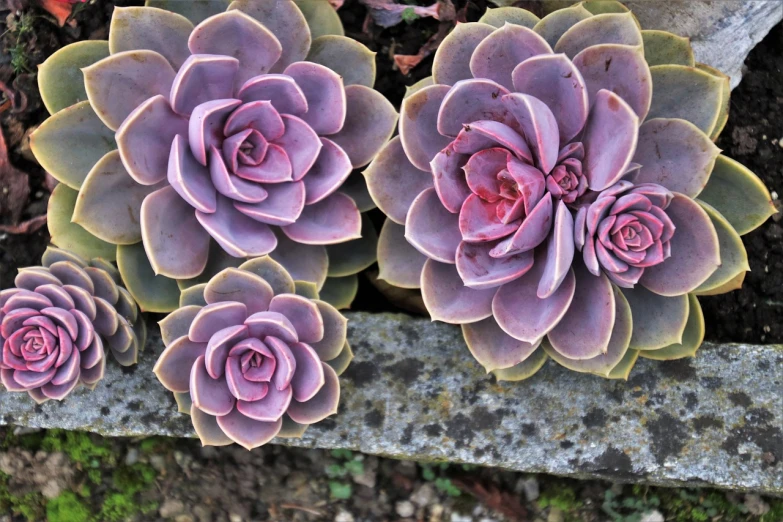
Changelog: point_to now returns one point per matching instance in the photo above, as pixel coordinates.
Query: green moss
(81, 447)
(154, 445)
(67, 508)
(563, 498)
(117, 507)
(132, 479)
(30, 505)
(775, 512)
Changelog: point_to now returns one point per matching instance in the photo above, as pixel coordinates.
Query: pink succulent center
(625, 230)
(566, 181)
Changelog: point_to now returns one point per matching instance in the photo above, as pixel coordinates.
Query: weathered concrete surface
(414, 392)
(722, 32)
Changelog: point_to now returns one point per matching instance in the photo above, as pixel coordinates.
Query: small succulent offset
(182, 150)
(249, 359)
(555, 190)
(57, 320)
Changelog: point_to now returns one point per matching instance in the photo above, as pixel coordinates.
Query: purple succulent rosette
(56, 321)
(252, 355)
(555, 190)
(185, 149)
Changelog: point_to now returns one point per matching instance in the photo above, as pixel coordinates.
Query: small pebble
(457, 517)
(171, 508)
(132, 457)
(531, 489)
(405, 508)
(343, 516)
(555, 515)
(652, 516)
(424, 495)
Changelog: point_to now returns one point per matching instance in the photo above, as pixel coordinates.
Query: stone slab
(722, 32)
(414, 392)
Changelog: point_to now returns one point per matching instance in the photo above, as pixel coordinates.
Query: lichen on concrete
(414, 392)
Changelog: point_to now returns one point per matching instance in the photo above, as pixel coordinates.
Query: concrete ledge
(414, 392)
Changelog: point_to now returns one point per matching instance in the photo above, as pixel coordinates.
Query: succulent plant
(182, 150)
(555, 190)
(252, 355)
(56, 321)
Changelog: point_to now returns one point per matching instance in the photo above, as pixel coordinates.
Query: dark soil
(78, 477)
(753, 136)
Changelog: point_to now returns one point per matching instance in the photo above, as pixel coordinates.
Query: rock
(171, 508)
(51, 489)
(369, 475)
(343, 516)
(722, 33)
(132, 457)
(404, 508)
(233, 517)
(666, 426)
(158, 463)
(184, 518)
(555, 515)
(436, 513)
(424, 495)
(458, 517)
(652, 516)
(530, 488)
(203, 514)
(756, 505)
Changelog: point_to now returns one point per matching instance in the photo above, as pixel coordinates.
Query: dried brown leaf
(504, 502)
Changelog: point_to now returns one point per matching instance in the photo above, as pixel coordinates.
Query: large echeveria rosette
(57, 321)
(251, 355)
(184, 149)
(555, 190)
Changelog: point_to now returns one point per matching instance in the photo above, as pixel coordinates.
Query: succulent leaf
(692, 336)
(153, 293)
(418, 125)
(340, 291)
(354, 256)
(68, 235)
(452, 59)
(738, 194)
(369, 123)
(604, 363)
(60, 78)
(493, 348)
(512, 15)
(662, 48)
(492, 60)
(286, 22)
(355, 187)
(675, 154)
(686, 93)
(658, 321)
(70, 143)
(723, 117)
(119, 83)
(321, 18)
(554, 25)
(394, 182)
(620, 69)
(110, 202)
(399, 263)
(194, 10)
(150, 28)
(609, 28)
(733, 257)
(523, 370)
(353, 61)
(340, 363)
(303, 262)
